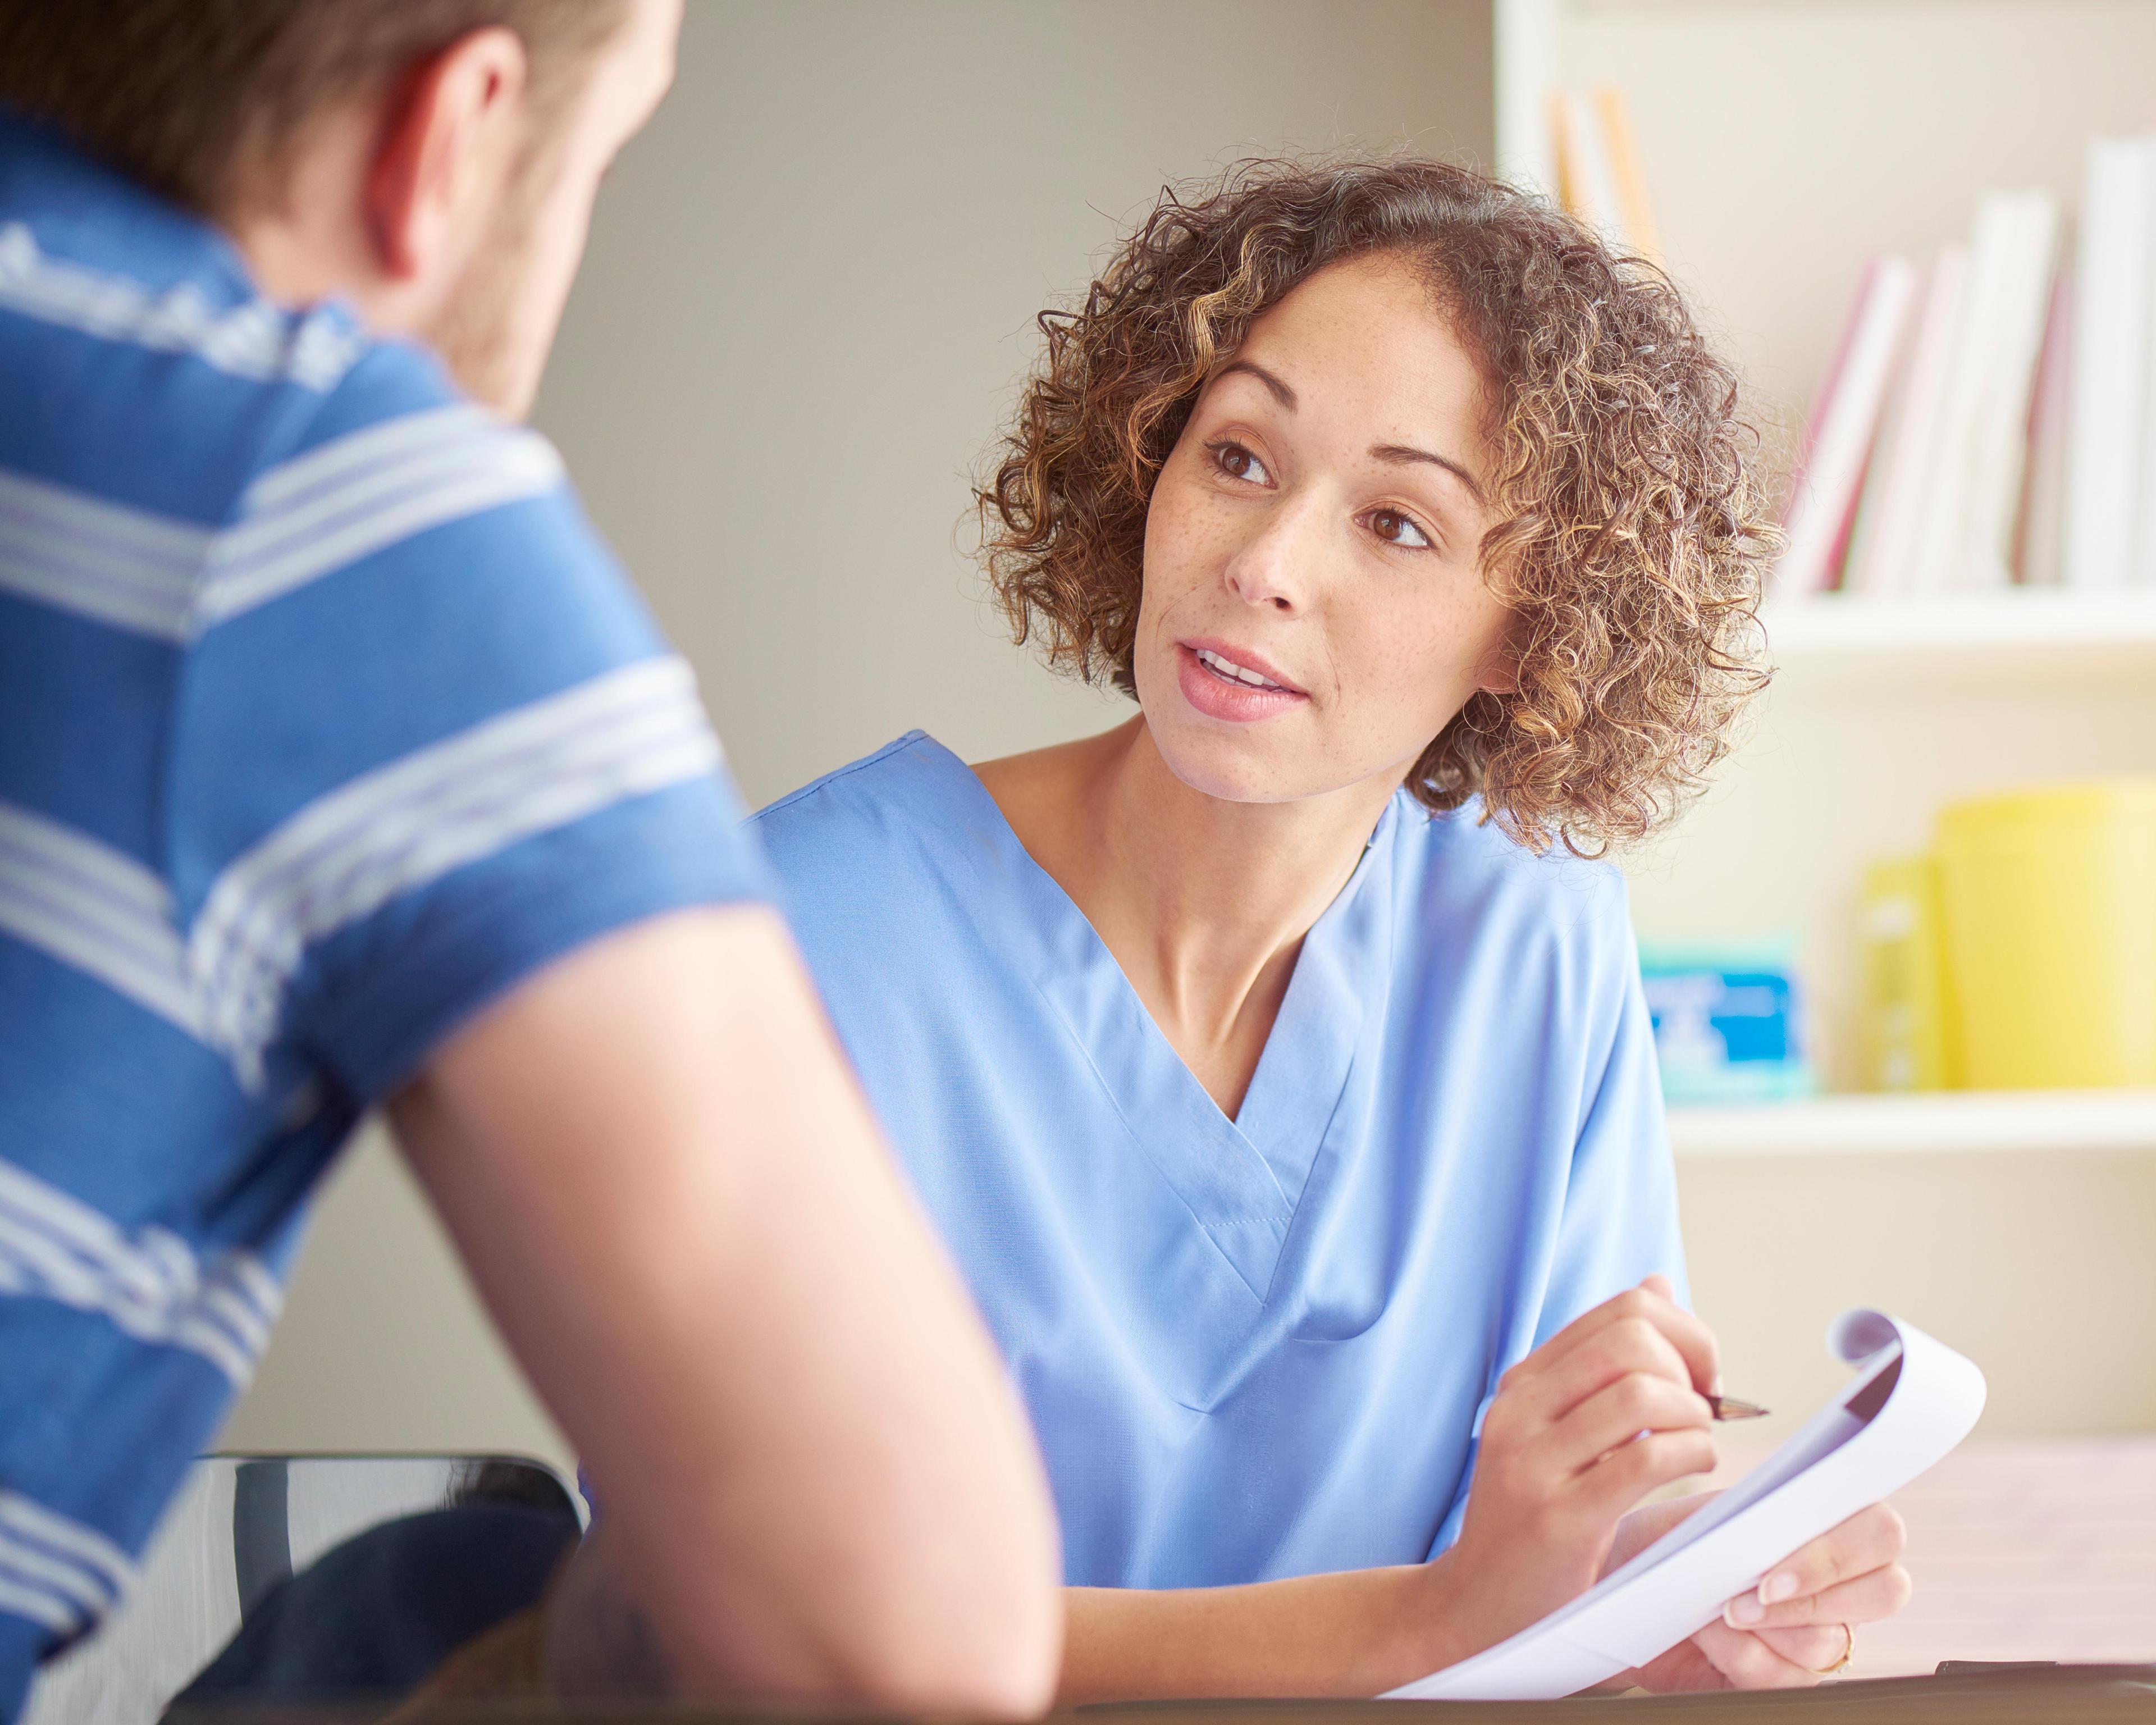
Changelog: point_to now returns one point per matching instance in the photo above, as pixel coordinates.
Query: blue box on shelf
(1727, 1023)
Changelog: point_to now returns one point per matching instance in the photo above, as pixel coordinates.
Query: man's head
(433, 162)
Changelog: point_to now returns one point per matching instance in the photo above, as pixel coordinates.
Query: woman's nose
(1272, 570)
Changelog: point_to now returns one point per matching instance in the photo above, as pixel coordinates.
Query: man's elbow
(981, 1637)
(1001, 1660)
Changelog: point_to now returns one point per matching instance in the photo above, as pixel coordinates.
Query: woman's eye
(1239, 462)
(1394, 528)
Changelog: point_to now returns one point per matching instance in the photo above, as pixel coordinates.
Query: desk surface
(2083, 1695)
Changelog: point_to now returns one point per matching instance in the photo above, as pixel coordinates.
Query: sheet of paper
(1914, 1400)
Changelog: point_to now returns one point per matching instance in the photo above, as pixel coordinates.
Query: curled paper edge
(1912, 1400)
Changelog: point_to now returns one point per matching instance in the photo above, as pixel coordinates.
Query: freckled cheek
(1186, 541)
(1400, 677)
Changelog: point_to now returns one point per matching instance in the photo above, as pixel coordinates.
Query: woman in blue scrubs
(1275, 1064)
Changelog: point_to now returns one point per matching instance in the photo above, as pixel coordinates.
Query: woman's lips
(1220, 694)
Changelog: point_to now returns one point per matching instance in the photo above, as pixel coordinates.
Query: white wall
(809, 295)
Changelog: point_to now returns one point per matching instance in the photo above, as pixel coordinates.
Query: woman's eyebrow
(1281, 393)
(1404, 452)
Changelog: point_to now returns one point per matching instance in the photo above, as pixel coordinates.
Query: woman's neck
(1203, 902)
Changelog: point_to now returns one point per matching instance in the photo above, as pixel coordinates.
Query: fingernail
(1776, 1588)
(1743, 1611)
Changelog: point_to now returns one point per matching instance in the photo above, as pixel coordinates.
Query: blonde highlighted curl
(1630, 537)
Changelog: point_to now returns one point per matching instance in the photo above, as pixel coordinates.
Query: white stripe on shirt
(151, 1285)
(254, 339)
(34, 1562)
(97, 911)
(19, 1599)
(354, 496)
(436, 478)
(321, 470)
(405, 825)
(342, 857)
(55, 1570)
(105, 561)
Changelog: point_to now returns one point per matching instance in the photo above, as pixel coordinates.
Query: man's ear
(448, 141)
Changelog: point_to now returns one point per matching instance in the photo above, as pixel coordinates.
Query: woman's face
(1314, 613)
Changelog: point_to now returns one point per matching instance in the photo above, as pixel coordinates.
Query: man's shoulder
(139, 367)
(172, 394)
(186, 452)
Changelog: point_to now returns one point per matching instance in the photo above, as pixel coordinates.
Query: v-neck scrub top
(1256, 1348)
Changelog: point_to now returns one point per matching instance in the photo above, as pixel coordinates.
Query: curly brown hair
(1630, 536)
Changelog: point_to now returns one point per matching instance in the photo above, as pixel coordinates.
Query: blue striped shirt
(324, 718)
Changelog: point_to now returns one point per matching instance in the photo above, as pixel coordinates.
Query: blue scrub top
(1256, 1348)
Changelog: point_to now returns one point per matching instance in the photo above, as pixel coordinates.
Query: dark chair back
(281, 1578)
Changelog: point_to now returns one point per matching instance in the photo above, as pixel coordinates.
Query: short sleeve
(1616, 1200)
(1619, 1224)
(427, 739)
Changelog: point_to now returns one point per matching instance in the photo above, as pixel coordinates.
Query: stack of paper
(1915, 1399)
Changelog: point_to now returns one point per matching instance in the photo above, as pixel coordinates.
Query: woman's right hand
(1562, 1458)
(1609, 1409)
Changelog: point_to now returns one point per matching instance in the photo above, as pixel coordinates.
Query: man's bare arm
(815, 1481)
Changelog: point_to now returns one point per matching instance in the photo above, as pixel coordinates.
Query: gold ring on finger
(1848, 1655)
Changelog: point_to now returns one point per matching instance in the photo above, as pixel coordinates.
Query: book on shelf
(1599, 177)
(2013, 442)
(1624, 150)
(2011, 266)
(2040, 542)
(1586, 176)
(2112, 302)
(1909, 445)
(1838, 441)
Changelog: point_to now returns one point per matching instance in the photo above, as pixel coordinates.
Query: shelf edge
(2009, 1122)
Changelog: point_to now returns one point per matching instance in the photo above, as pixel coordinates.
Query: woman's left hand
(1798, 1623)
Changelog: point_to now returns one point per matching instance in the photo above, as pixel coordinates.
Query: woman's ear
(1499, 672)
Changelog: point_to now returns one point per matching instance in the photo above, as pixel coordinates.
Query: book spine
(1912, 454)
(1845, 425)
(1631, 178)
(2111, 320)
(1559, 114)
(1998, 440)
(1591, 179)
(2040, 545)
(2140, 569)
(1830, 387)
(1941, 551)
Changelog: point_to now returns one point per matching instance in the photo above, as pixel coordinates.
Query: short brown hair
(200, 99)
(1629, 536)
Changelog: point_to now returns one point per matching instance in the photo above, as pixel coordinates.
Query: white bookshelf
(2019, 629)
(2019, 1222)
(1948, 1121)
